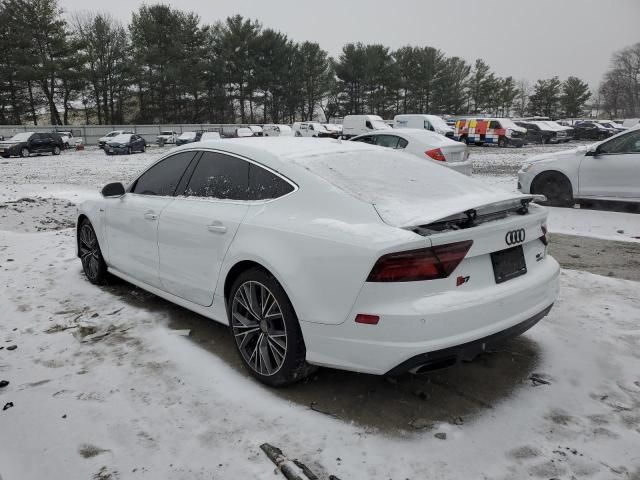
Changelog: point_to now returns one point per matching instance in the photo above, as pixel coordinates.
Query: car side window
(219, 176)
(370, 139)
(428, 126)
(494, 124)
(402, 143)
(368, 125)
(163, 178)
(629, 143)
(264, 185)
(389, 141)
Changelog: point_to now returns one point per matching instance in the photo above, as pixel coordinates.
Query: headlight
(508, 132)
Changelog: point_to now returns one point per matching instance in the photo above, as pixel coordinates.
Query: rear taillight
(422, 264)
(436, 154)
(545, 236)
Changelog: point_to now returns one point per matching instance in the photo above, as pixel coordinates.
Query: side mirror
(115, 189)
(592, 151)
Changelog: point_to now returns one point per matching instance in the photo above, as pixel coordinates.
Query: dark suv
(26, 143)
(591, 131)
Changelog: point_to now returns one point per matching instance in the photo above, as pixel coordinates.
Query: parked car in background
(497, 131)
(243, 132)
(616, 127)
(537, 132)
(67, 138)
(272, 130)
(375, 272)
(631, 122)
(425, 122)
(188, 137)
(353, 125)
(25, 144)
(256, 130)
(334, 129)
(423, 144)
(591, 130)
(110, 135)
(310, 129)
(608, 171)
(125, 144)
(209, 136)
(167, 137)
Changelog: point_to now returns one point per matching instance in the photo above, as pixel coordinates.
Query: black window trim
(196, 159)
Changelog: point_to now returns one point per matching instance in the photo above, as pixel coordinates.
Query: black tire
(502, 142)
(271, 366)
(24, 152)
(478, 144)
(298, 134)
(56, 150)
(556, 187)
(93, 265)
(464, 140)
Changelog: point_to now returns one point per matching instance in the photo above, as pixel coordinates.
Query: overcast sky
(525, 38)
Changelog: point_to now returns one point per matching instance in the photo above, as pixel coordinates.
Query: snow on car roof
(405, 190)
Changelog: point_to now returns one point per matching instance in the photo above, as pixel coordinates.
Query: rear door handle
(217, 227)
(150, 216)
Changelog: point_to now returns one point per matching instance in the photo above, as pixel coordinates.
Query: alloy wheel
(259, 328)
(89, 252)
(24, 152)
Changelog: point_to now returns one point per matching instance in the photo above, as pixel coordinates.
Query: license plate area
(508, 264)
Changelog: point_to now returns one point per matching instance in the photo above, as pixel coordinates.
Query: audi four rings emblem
(514, 237)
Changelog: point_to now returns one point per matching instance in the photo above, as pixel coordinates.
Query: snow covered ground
(101, 386)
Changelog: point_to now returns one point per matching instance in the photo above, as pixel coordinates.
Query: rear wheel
(556, 187)
(265, 329)
(93, 263)
(502, 142)
(24, 152)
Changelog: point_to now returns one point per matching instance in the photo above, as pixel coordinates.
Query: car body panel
(320, 242)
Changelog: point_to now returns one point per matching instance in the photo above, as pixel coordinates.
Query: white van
(353, 125)
(271, 130)
(310, 129)
(432, 123)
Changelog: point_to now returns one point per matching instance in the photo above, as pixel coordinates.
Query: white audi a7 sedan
(321, 252)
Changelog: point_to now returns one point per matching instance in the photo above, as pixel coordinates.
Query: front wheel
(56, 150)
(93, 263)
(265, 329)
(555, 187)
(24, 152)
(502, 142)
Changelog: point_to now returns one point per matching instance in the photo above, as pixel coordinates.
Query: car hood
(574, 152)
(7, 143)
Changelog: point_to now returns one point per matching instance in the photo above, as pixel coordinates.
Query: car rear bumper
(447, 322)
(465, 167)
(116, 150)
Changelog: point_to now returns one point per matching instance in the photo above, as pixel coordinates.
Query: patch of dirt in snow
(35, 214)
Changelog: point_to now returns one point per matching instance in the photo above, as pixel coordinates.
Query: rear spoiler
(477, 216)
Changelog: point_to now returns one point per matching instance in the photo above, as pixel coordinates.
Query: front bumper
(110, 150)
(442, 322)
(515, 141)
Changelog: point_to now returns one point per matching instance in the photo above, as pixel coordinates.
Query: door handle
(217, 227)
(150, 216)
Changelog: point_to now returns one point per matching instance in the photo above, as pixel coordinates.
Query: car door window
(366, 139)
(494, 124)
(163, 178)
(389, 141)
(219, 176)
(264, 185)
(629, 143)
(428, 126)
(402, 143)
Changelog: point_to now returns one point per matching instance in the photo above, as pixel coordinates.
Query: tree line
(166, 66)
(619, 92)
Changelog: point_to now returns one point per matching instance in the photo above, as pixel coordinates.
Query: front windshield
(187, 135)
(122, 138)
(21, 137)
(439, 123)
(379, 125)
(113, 134)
